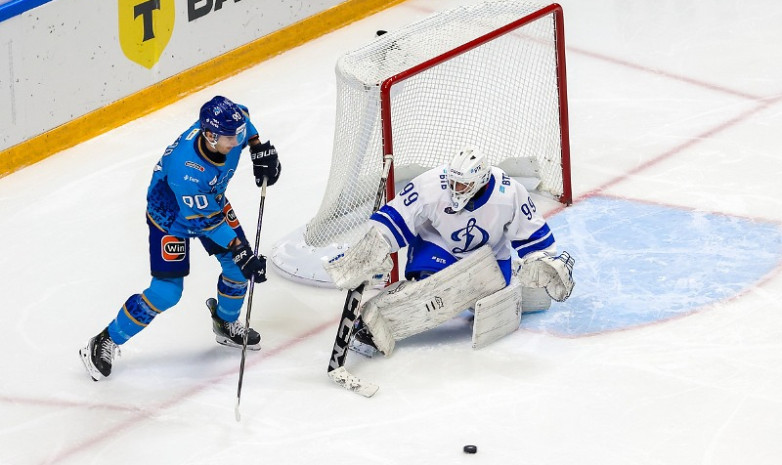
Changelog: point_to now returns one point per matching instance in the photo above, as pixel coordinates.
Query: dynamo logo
(472, 236)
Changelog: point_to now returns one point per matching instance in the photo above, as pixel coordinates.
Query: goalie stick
(350, 312)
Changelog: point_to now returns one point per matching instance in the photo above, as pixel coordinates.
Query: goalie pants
(425, 258)
(169, 264)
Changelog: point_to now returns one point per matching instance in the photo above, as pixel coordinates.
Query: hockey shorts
(425, 258)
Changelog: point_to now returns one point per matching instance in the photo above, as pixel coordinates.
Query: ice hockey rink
(669, 352)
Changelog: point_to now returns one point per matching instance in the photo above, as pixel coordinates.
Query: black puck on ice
(470, 449)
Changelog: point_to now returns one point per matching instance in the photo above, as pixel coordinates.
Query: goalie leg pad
(378, 327)
(497, 315)
(534, 299)
(412, 307)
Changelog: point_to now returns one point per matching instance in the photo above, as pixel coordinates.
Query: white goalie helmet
(468, 172)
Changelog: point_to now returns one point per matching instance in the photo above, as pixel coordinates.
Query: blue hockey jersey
(186, 196)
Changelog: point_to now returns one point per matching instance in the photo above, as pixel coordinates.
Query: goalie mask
(468, 172)
(223, 118)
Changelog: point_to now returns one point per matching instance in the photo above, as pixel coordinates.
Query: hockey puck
(470, 449)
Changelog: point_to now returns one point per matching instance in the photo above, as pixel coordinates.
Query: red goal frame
(559, 37)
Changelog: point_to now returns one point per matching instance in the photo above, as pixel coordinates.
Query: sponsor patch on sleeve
(230, 216)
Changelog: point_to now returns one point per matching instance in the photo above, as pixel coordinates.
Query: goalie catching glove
(554, 273)
(367, 260)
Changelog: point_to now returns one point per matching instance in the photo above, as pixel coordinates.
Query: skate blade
(222, 340)
(91, 369)
(363, 349)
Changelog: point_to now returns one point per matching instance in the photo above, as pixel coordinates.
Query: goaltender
(475, 240)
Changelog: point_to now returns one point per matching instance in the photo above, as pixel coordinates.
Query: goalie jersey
(503, 216)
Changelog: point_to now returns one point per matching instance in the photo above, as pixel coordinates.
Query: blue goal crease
(638, 264)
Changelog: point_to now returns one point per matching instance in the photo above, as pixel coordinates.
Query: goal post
(490, 74)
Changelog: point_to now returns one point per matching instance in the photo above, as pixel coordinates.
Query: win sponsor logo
(230, 216)
(173, 249)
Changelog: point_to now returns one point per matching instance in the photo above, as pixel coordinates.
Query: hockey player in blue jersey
(186, 199)
(473, 235)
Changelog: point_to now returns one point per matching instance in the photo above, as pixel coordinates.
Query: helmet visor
(239, 137)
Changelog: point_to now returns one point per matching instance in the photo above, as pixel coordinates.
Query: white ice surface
(671, 103)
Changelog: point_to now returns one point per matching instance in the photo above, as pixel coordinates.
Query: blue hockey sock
(231, 289)
(140, 309)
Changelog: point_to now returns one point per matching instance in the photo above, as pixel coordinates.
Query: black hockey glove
(252, 267)
(266, 164)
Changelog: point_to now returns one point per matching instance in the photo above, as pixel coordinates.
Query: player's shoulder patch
(503, 182)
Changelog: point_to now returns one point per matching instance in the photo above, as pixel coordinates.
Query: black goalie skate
(361, 342)
(231, 333)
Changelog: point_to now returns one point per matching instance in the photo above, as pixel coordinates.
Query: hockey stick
(249, 304)
(350, 312)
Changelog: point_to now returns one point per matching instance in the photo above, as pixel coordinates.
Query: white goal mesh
(490, 74)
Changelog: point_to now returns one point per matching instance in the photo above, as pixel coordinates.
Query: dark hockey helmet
(223, 118)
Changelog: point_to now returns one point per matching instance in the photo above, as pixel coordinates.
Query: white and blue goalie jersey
(503, 216)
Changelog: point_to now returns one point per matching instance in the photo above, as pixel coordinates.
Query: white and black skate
(98, 355)
(231, 333)
(361, 342)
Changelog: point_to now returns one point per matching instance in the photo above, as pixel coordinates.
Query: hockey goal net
(490, 74)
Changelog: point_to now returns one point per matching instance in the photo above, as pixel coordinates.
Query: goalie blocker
(368, 257)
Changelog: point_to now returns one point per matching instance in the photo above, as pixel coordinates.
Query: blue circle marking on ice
(638, 263)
